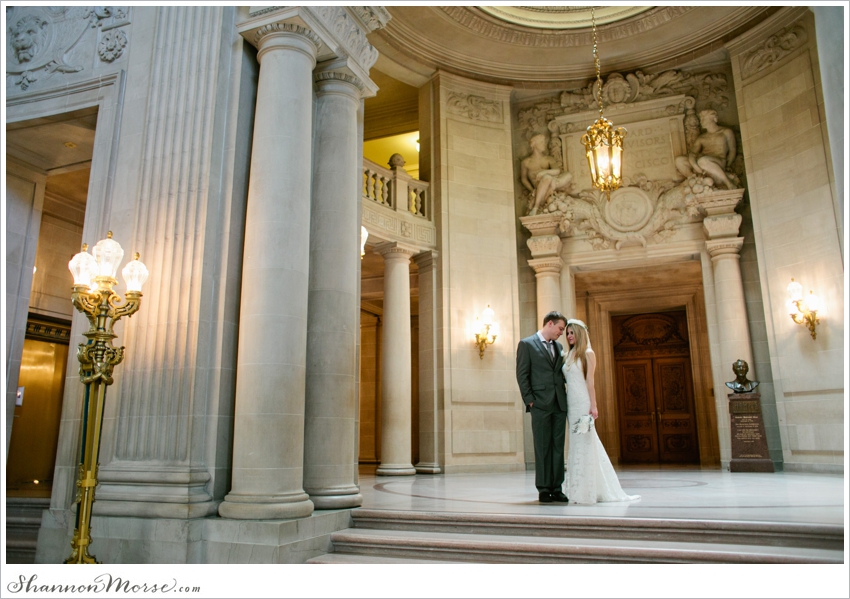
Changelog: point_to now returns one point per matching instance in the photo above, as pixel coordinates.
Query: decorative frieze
(772, 50)
(336, 76)
(399, 226)
(474, 107)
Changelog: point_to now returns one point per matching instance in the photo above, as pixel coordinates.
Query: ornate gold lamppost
(603, 142)
(94, 278)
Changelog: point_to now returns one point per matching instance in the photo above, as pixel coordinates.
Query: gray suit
(541, 382)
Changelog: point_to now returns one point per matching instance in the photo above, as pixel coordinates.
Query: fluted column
(268, 447)
(334, 306)
(396, 386)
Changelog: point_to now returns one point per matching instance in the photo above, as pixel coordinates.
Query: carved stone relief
(476, 108)
(772, 50)
(41, 41)
(349, 33)
(708, 90)
(675, 157)
(112, 45)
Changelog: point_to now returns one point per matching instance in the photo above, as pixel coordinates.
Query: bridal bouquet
(583, 425)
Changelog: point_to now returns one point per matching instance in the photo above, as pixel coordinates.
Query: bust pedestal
(749, 444)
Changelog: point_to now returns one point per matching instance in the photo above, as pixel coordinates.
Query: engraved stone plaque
(749, 444)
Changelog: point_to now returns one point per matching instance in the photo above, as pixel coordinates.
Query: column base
(396, 470)
(337, 502)
(265, 507)
(428, 468)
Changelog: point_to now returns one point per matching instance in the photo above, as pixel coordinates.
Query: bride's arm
(591, 389)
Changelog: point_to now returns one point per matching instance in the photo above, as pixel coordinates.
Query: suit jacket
(540, 378)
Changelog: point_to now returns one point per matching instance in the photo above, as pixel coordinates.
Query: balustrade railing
(395, 189)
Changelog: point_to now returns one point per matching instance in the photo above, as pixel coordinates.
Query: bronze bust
(741, 384)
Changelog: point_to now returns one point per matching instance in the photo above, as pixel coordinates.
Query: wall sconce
(486, 330)
(364, 235)
(803, 310)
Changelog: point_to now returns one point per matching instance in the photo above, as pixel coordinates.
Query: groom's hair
(554, 315)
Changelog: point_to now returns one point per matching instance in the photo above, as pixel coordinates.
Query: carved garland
(351, 37)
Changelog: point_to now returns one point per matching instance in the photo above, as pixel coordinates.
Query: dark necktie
(551, 348)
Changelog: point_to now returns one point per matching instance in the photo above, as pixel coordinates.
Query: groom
(541, 383)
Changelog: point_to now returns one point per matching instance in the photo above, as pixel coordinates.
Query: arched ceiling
(505, 45)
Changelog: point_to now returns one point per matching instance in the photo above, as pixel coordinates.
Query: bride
(590, 476)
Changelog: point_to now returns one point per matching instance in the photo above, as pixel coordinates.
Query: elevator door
(655, 389)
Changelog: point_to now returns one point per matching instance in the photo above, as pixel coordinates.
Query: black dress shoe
(558, 496)
(545, 497)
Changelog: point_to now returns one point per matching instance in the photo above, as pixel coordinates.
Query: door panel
(676, 426)
(654, 388)
(638, 435)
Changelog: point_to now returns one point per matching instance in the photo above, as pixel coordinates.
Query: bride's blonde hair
(582, 343)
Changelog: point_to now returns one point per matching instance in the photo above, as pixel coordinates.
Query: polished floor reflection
(679, 493)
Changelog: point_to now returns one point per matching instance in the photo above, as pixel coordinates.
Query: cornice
(411, 44)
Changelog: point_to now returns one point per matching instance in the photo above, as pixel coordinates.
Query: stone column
(429, 412)
(396, 387)
(334, 304)
(721, 227)
(268, 434)
(545, 246)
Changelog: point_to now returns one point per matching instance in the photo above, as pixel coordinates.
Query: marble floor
(681, 493)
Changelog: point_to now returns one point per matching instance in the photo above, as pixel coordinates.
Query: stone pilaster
(429, 412)
(334, 306)
(396, 383)
(268, 448)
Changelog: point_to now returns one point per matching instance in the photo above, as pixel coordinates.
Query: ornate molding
(729, 247)
(390, 249)
(349, 34)
(112, 45)
(476, 108)
(547, 266)
(372, 17)
(772, 50)
(704, 90)
(336, 76)
(387, 223)
(273, 28)
(489, 27)
(722, 225)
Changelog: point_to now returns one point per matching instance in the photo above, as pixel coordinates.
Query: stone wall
(796, 230)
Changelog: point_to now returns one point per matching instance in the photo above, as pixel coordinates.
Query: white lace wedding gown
(590, 476)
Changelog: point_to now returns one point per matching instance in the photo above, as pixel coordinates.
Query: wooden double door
(655, 394)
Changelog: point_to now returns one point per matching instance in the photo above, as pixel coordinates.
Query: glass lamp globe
(108, 254)
(135, 274)
(83, 267)
(487, 316)
(795, 291)
(813, 302)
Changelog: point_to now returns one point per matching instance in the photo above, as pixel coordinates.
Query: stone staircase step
(354, 559)
(771, 534)
(494, 548)
(23, 519)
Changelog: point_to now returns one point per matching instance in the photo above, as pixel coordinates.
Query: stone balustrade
(397, 207)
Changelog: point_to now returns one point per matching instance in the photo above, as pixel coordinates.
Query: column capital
(330, 82)
(286, 35)
(725, 248)
(720, 201)
(545, 246)
(722, 225)
(547, 266)
(394, 249)
(427, 259)
(541, 224)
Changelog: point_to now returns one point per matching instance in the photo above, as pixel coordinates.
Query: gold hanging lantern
(603, 142)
